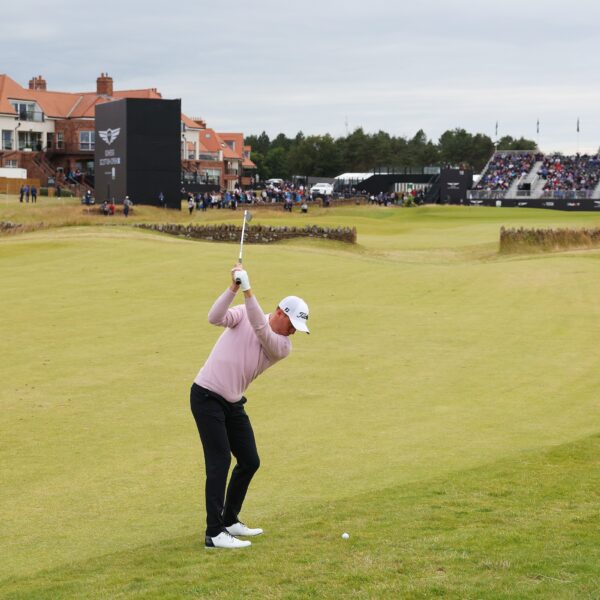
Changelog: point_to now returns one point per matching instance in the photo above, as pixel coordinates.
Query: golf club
(247, 219)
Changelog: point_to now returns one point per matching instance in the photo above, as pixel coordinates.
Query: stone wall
(255, 234)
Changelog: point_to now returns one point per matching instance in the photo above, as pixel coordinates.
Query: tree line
(324, 156)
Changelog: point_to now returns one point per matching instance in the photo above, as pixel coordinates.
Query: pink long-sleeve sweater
(246, 348)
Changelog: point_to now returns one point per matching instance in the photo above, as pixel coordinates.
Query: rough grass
(547, 240)
(443, 411)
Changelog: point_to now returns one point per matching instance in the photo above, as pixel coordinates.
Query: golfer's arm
(275, 346)
(221, 314)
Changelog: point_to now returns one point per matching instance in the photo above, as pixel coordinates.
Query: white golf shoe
(225, 540)
(240, 529)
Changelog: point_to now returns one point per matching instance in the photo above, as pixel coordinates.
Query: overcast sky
(324, 66)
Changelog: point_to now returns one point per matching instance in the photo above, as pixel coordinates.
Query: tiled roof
(238, 145)
(229, 153)
(211, 140)
(189, 123)
(63, 104)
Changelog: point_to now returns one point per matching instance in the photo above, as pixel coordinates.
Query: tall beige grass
(547, 240)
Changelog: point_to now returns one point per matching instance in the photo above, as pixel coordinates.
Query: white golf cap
(297, 310)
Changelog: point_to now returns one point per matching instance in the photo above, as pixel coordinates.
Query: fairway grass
(524, 528)
(444, 411)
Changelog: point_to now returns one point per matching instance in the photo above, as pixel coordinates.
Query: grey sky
(289, 66)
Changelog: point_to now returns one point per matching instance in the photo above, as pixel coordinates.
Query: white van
(275, 183)
(322, 189)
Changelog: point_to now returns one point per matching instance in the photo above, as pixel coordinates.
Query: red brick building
(52, 133)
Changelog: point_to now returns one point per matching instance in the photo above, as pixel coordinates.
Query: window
(208, 156)
(60, 144)
(86, 140)
(212, 176)
(50, 140)
(26, 111)
(11, 164)
(7, 139)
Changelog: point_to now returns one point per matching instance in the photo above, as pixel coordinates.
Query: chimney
(104, 85)
(200, 122)
(37, 83)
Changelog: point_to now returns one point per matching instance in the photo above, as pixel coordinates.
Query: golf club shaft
(241, 245)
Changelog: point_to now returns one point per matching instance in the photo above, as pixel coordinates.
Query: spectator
(127, 204)
(111, 207)
(105, 209)
(161, 200)
(33, 194)
(58, 191)
(191, 204)
(21, 193)
(26, 192)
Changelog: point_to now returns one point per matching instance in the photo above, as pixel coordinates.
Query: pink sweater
(246, 348)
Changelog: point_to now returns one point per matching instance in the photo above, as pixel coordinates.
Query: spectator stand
(506, 169)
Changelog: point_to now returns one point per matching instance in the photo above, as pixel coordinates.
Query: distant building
(52, 134)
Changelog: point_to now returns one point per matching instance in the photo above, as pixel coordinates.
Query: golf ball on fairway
(345, 536)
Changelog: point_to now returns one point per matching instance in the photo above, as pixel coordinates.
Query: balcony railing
(31, 115)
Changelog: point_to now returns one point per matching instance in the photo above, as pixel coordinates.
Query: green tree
(421, 151)
(458, 147)
(258, 158)
(276, 163)
(507, 142)
(355, 151)
(302, 157)
(329, 158)
(281, 141)
(260, 143)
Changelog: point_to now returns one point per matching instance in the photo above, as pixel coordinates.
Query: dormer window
(27, 111)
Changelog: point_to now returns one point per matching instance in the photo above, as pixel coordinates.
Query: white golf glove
(241, 277)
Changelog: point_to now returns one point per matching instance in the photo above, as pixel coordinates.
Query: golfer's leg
(243, 447)
(210, 420)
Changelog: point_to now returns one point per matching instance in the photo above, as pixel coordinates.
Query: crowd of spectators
(288, 195)
(397, 198)
(562, 173)
(504, 168)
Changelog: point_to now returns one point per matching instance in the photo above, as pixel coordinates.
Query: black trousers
(224, 429)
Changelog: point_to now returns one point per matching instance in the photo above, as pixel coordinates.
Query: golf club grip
(237, 279)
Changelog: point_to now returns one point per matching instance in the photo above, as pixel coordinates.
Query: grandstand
(526, 175)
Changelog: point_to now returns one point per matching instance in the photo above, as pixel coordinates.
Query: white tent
(349, 178)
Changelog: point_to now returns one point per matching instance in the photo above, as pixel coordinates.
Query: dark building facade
(138, 152)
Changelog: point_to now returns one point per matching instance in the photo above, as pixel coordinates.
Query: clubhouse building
(51, 134)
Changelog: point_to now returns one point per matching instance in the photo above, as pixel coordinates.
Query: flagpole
(496, 137)
(578, 135)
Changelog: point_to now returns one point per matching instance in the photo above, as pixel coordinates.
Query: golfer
(250, 344)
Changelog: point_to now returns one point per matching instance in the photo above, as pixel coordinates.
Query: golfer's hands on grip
(240, 277)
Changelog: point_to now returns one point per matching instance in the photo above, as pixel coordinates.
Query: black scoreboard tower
(138, 151)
